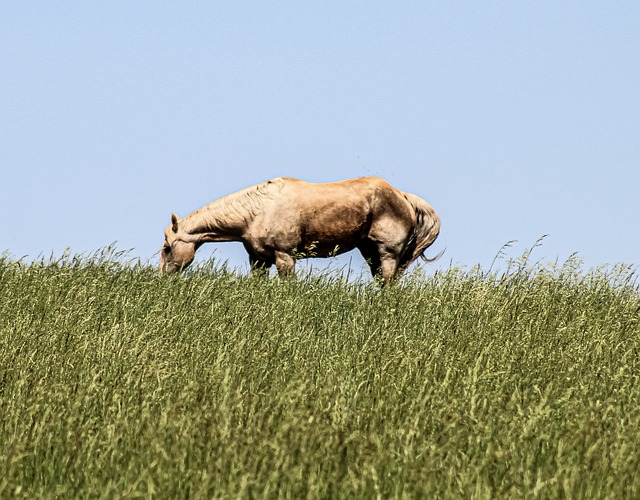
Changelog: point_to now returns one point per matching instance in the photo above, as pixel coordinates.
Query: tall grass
(116, 382)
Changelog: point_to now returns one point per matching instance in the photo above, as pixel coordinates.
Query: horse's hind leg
(371, 256)
(389, 266)
(383, 262)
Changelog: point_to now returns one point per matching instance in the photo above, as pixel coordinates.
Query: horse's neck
(228, 218)
(214, 222)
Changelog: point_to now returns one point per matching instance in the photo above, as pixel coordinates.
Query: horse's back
(366, 183)
(314, 195)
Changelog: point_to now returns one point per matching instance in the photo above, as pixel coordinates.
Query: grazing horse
(283, 219)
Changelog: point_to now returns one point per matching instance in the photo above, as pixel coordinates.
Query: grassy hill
(115, 382)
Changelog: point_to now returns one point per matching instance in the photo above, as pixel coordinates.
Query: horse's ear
(174, 223)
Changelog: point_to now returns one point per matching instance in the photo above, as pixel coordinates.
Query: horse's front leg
(285, 264)
(259, 266)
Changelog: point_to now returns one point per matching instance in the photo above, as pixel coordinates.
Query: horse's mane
(235, 208)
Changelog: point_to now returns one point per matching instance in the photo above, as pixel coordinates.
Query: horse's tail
(425, 230)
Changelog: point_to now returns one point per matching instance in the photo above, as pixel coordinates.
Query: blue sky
(513, 119)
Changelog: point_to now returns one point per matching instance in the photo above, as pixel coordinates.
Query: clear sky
(513, 119)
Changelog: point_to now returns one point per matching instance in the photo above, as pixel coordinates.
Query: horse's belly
(312, 225)
(333, 229)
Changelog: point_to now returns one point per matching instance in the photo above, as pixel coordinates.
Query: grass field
(116, 382)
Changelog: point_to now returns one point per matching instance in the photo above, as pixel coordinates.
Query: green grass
(116, 382)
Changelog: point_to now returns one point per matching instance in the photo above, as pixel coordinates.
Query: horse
(283, 219)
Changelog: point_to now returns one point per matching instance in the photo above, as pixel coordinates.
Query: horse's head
(178, 251)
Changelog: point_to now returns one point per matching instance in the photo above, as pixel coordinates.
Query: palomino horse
(283, 219)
